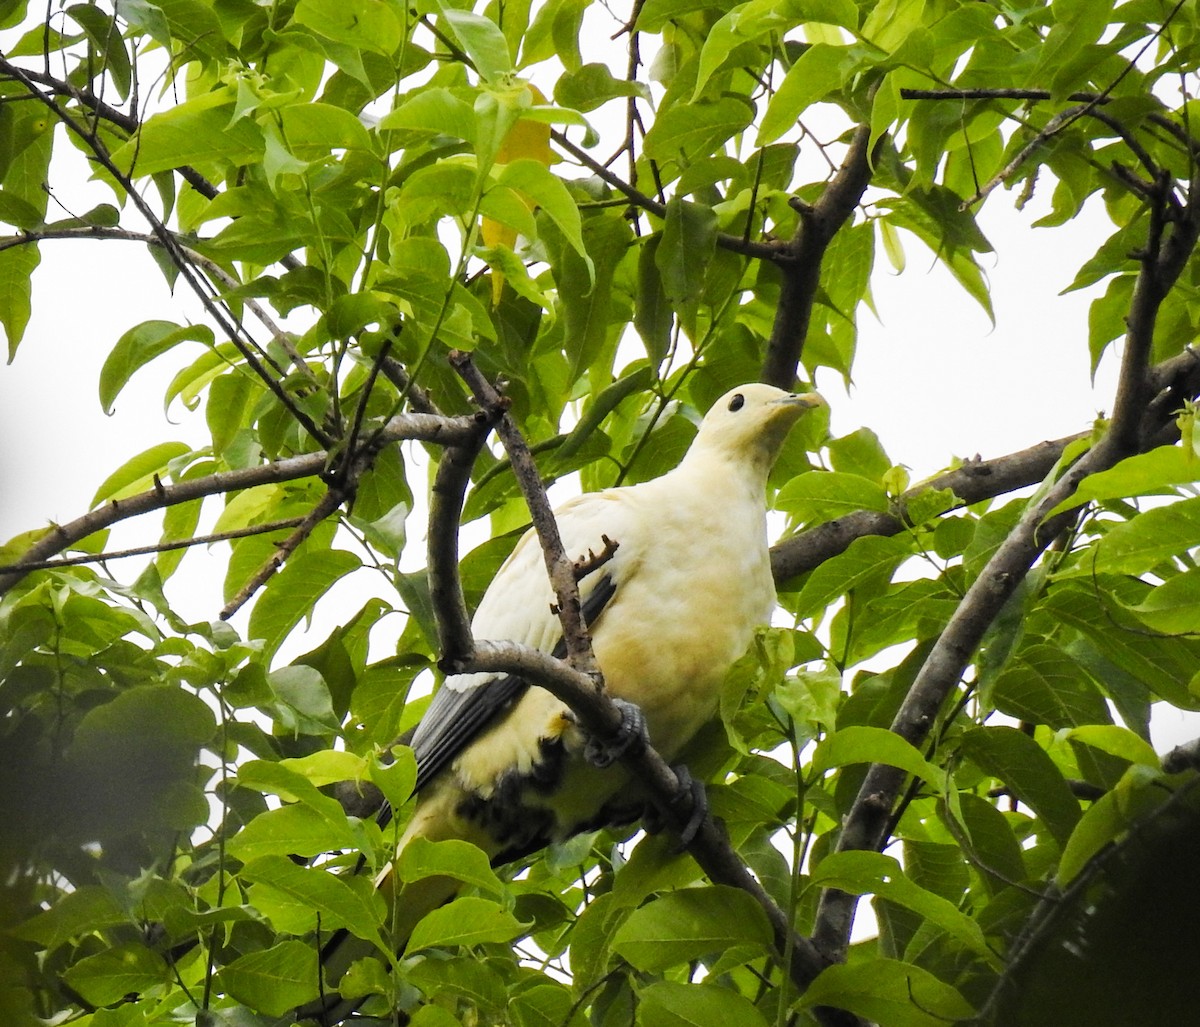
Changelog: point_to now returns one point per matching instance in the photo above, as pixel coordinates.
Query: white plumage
(689, 583)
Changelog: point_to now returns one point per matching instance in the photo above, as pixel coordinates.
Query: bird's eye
(737, 402)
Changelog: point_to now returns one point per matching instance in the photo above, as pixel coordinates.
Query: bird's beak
(804, 400)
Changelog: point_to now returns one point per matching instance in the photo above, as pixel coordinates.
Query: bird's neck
(721, 475)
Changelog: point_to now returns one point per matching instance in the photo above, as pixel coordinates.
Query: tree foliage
(952, 718)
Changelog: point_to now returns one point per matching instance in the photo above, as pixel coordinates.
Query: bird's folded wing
(517, 607)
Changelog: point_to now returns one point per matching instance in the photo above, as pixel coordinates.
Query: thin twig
(26, 567)
(327, 506)
(734, 243)
(558, 565)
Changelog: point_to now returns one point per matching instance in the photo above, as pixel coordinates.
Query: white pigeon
(501, 763)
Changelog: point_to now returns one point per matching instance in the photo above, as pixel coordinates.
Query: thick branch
(973, 482)
(445, 511)
(802, 272)
(446, 431)
(1170, 384)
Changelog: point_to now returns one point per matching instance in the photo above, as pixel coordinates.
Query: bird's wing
(517, 607)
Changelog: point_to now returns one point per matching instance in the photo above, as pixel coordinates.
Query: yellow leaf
(526, 139)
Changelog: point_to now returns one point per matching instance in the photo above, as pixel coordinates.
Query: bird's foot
(632, 732)
(689, 791)
(692, 791)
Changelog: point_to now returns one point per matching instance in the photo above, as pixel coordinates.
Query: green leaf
(468, 920)
(820, 496)
(1116, 741)
(482, 40)
(276, 779)
(820, 70)
(338, 904)
(991, 838)
(396, 780)
(652, 314)
(1174, 606)
(370, 25)
(1043, 685)
(866, 561)
(304, 702)
(87, 909)
(1146, 474)
(747, 22)
(274, 980)
(18, 212)
(689, 131)
(1108, 818)
(547, 191)
(437, 111)
(110, 975)
(197, 131)
(888, 991)
(592, 86)
(291, 594)
(689, 238)
(1140, 544)
(696, 1004)
(454, 858)
(315, 130)
(137, 473)
(862, 744)
(1016, 759)
(690, 924)
(137, 347)
(16, 266)
(873, 873)
(327, 766)
(290, 830)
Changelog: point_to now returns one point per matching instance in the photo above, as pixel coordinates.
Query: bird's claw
(632, 732)
(689, 791)
(693, 790)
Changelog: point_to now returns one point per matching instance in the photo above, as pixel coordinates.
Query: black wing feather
(455, 718)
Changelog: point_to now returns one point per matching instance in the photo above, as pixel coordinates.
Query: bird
(688, 580)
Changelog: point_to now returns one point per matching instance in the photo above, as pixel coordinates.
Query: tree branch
(444, 431)
(25, 567)
(1154, 117)
(115, 116)
(973, 482)
(599, 716)
(802, 270)
(326, 507)
(233, 330)
(869, 819)
(559, 566)
(733, 243)
(445, 510)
